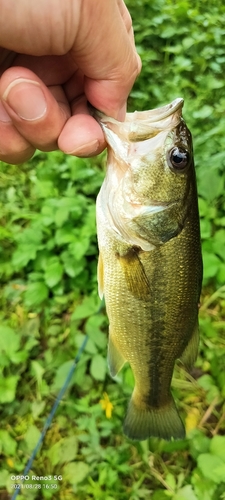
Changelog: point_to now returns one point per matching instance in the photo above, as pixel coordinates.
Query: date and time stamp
(32, 482)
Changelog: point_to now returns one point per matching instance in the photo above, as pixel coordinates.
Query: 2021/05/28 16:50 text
(35, 486)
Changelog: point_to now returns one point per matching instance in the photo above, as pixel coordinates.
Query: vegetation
(49, 300)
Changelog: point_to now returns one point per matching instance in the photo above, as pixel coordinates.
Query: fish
(150, 263)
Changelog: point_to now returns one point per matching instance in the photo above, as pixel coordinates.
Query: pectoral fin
(190, 353)
(100, 277)
(115, 358)
(134, 272)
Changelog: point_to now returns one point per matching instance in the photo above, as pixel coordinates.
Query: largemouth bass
(150, 266)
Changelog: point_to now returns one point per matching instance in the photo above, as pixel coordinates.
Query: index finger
(105, 52)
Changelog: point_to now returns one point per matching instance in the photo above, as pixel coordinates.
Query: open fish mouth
(141, 125)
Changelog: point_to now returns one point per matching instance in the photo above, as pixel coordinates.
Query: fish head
(150, 177)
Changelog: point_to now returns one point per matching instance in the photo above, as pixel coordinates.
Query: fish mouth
(142, 125)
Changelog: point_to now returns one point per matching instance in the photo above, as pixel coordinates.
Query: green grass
(49, 300)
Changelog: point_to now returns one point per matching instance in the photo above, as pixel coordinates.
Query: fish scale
(150, 266)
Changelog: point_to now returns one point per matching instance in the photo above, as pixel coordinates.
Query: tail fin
(162, 422)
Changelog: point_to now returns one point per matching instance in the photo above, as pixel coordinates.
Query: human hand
(54, 57)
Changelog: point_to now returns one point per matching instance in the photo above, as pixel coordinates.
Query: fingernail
(4, 117)
(85, 149)
(26, 99)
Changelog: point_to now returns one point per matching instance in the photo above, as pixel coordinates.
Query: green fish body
(150, 266)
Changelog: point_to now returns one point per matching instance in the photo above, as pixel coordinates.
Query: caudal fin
(163, 422)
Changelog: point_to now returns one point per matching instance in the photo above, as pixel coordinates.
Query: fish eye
(178, 159)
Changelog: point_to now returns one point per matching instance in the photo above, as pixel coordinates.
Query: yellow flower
(10, 462)
(106, 405)
(32, 315)
(192, 419)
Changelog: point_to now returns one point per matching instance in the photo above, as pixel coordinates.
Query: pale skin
(54, 57)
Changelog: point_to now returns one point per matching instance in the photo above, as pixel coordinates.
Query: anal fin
(115, 358)
(190, 353)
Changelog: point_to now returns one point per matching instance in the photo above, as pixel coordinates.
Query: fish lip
(151, 116)
(157, 114)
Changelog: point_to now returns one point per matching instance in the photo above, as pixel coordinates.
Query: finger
(39, 28)
(110, 68)
(81, 135)
(6, 59)
(125, 14)
(13, 147)
(50, 69)
(37, 113)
